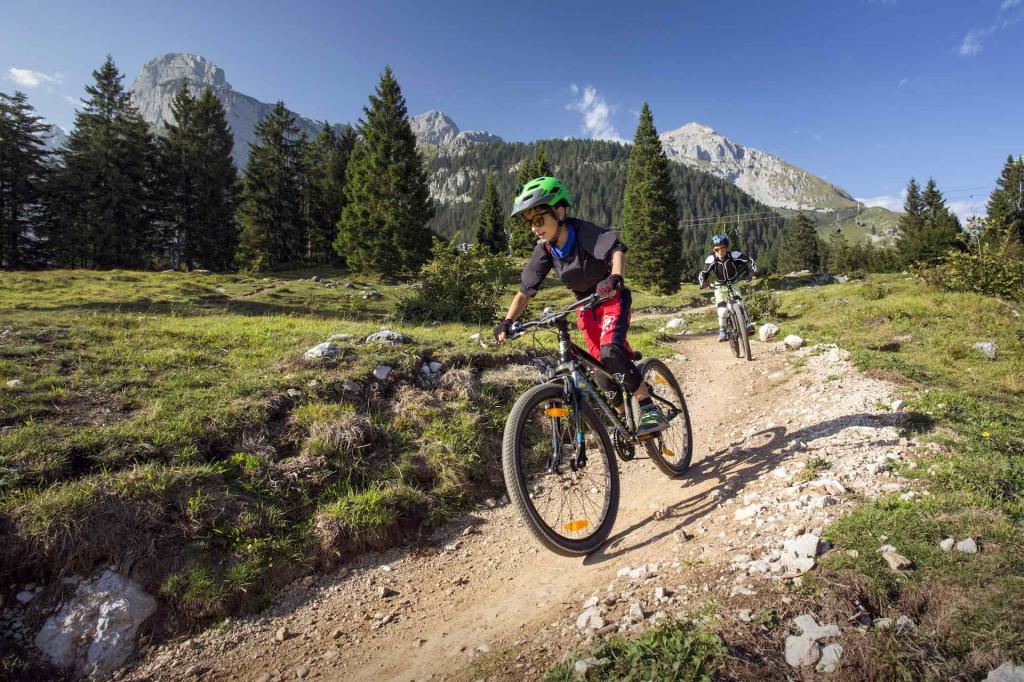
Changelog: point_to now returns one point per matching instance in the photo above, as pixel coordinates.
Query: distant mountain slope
(153, 91)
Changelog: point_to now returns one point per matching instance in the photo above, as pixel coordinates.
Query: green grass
(154, 422)
(676, 650)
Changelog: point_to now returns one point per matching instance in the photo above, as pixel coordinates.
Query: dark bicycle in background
(562, 437)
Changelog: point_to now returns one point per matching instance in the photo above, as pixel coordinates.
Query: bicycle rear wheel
(672, 449)
(571, 511)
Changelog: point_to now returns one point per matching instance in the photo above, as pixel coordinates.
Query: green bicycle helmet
(544, 191)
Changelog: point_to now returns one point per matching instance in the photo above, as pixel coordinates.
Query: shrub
(458, 286)
(874, 291)
(763, 303)
(990, 269)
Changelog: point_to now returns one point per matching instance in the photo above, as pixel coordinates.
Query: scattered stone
(470, 530)
(747, 513)
(94, 631)
(809, 628)
(381, 373)
(989, 348)
(802, 652)
(583, 666)
(675, 323)
(636, 613)
(15, 383)
(897, 562)
(898, 405)
(293, 393)
(745, 615)
(830, 656)
(388, 337)
(1007, 672)
(882, 623)
(435, 367)
(282, 634)
(947, 544)
(386, 592)
(590, 619)
(308, 581)
(793, 341)
(905, 624)
(341, 337)
(301, 672)
(767, 332)
(354, 387)
(373, 296)
(741, 591)
(593, 601)
(322, 351)
(25, 596)
(967, 546)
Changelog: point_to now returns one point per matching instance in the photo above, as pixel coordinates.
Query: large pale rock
(793, 341)
(93, 633)
(897, 562)
(830, 656)
(798, 555)
(388, 337)
(1007, 672)
(801, 651)
(967, 546)
(989, 348)
(323, 350)
(809, 628)
(767, 332)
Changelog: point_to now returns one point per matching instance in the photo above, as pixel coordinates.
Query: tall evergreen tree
(491, 224)
(927, 229)
(200, 183)
(383, 226)
(325, 161)
(1006, 203)
(23, 169)
(104, 203)
(801, 248)
(273, 225)
(650, 214)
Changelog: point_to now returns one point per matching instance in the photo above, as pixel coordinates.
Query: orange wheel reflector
(660, 379)
(556, 412)
(668, 453)
(578, 524)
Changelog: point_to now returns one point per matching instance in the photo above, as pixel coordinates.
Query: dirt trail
(484, 586)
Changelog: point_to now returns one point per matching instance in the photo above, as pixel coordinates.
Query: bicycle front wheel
(672, 449)
(733, 331)
(741, 325)
(570, 508)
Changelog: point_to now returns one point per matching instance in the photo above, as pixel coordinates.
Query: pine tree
(911, 224)
(650, 215)
(325, 160)
(521, 238)
(927, 229)
(491, 224)
(23, 170)
(383, 226)
(200, 183)
(801, 248)
(1006, 203)
(273, 226)
(104, 199)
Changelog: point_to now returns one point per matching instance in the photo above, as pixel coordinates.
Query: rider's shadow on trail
(732, 474)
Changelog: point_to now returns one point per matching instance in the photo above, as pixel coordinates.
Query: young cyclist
(726, 266)
(587, 259)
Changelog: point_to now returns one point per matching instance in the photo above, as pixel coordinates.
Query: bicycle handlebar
(520, 328)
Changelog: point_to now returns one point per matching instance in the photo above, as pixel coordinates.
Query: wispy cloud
(71, 100)
(889, 201)
(32, 79)
(596, 112)
(902, 83)
(973, 42)
(967, 209)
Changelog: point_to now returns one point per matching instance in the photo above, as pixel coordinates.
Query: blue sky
(865, 93)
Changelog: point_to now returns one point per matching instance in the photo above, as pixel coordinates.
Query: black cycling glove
(502, 327)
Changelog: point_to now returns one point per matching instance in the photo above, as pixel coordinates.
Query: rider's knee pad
(617, 360)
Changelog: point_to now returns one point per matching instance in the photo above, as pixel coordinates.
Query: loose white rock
(15, 383)
(947, 544)
(94, 631)
(898, 405)
(321, 351)
(675, 323)
(381, 373)
(809, 628)
(802, 652)
(747, 513)
(830, 656)
(767, 332)
(388, 337)
(897, 562)
(1007, 672)
(967, 546)
(793, 341)
(989, 348)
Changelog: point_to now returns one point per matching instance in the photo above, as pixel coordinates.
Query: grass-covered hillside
(169, 423)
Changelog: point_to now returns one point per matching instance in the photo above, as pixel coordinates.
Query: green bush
(874, 291)
(762, 303)
(458, 286)
(991, 270)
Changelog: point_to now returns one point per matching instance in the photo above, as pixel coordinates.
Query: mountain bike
(562, 438)
(737, 322)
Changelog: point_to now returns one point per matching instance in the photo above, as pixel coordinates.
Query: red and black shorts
(607, 324)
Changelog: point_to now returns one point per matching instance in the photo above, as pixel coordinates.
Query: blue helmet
(720, 239)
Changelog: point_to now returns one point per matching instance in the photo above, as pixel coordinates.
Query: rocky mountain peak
(434, 127)
(173, 67)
